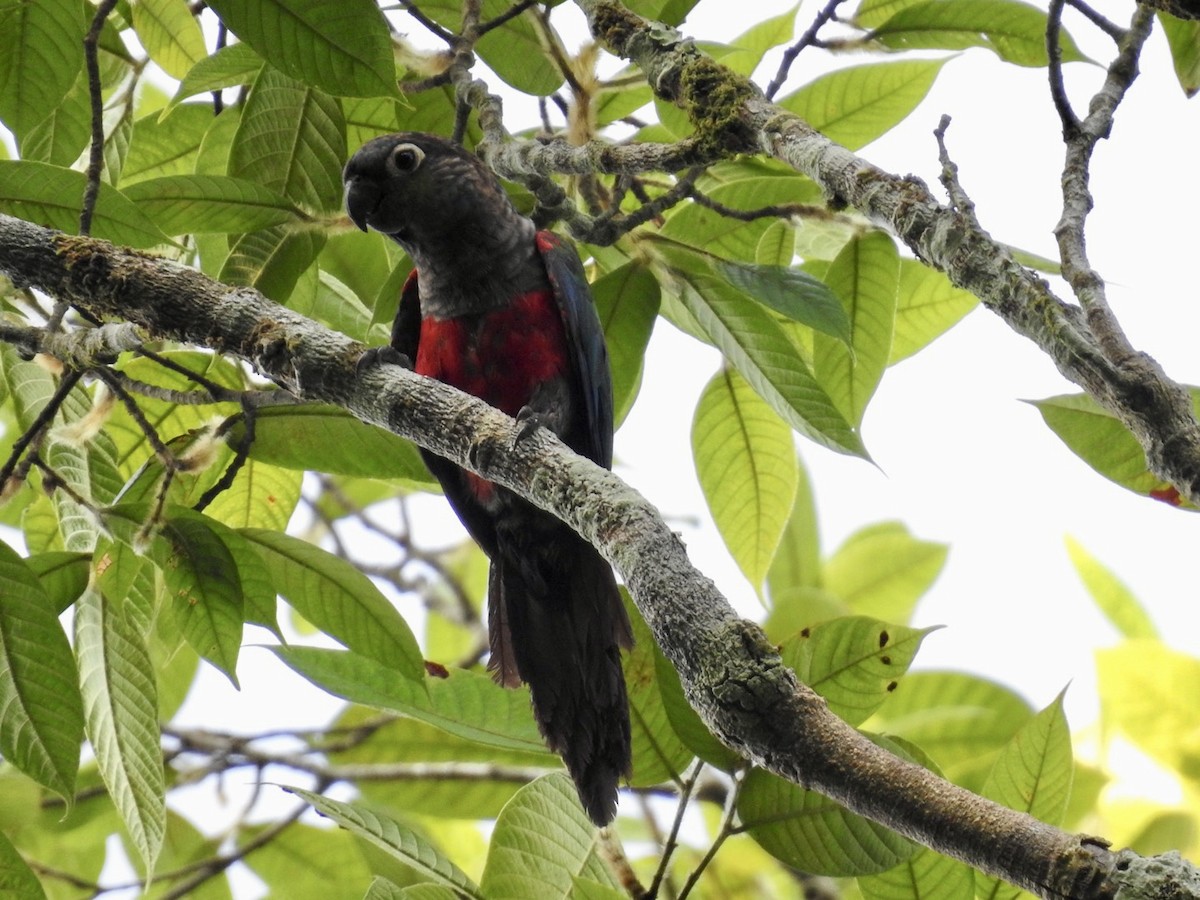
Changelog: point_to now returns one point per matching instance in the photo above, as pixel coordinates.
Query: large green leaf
(291, 139)
(328, 439)
(272, 260)
(122, 717)
(745, 52)
(746, 462)
(926, 876)
(791, 292)
(658, 753)
(882, 571)
(960, 720)
(541, 844)
(754, 344)
(1146, 691)
(188, 204)
(464, 703)
(441, 791)
(1183, 36)
(395, 839)
(685, 722)
(1014, 31)
(1032, 774)
(170, 34)
(340, 600)
(1100, 440)
(166, 146)
(41, 52)
(308, 862)
(927, 305)
(52, 196)
(1110, 594)
(814, 834)
(41, 713)
(341, 48)
(230, 66)
(200, 574)
(627, 302)
(17, 881)
(59, 138)
(865, 276)
(855, 106)
(63, 575)
(854, 662)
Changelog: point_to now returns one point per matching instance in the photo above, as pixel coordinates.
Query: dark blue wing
(585, 341)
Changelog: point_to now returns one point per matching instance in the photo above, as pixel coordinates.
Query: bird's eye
(407, 157)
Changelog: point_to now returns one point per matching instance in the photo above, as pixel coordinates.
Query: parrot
(503, 311)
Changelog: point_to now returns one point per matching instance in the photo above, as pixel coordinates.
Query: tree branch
(729, 671)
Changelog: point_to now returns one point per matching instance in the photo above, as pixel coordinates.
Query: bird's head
(424, 192)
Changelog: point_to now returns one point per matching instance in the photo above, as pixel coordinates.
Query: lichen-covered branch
(730, 673)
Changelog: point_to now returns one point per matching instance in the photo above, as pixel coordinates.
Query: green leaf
(307, 862)
(17, 881)
(927, 305)
(466, 704)
(854, 662)
(121, 705)
(1147, 691)
(188, 204)
(792, 293)
(329, 439)
(882, 570)
(340, 600)
(814, 834)
(51, 196)
(797, 561)
(757, 347)
(341, 48)
(746, 462)
(658, 753)
(291, 139)
(1012, 30)
(627, 301)
(1112, 597)
(686, 722)
(230, 66)
(41, 53)
(745, 52)
(1100, 440)
(41, 713)
(412, 742)
(60, 137)
(1033, 775)
(166, 146)
(200, 576)
(64, 576)
(855, 106)
(272, 260)
(542, 842)
(170, 34)
(926, 876)
(865, 276)
(960, 720)
(395, 839)
(1183, 37)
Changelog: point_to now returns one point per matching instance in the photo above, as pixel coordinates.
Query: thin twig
(91, 45)
(726, 829)
(672, 842)
(69, 379)
(1058, 90)
(1112, 29)
(808, 39)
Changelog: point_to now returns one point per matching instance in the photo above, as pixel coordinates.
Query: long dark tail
(557, 623)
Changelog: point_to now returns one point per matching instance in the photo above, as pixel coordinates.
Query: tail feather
(558, 624)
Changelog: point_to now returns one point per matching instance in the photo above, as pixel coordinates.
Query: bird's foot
(529, 420)
(379, 356)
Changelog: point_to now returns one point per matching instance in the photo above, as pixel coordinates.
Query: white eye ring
(406, 157)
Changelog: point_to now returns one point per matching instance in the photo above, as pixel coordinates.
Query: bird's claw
(528, 421)
(379, 356)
